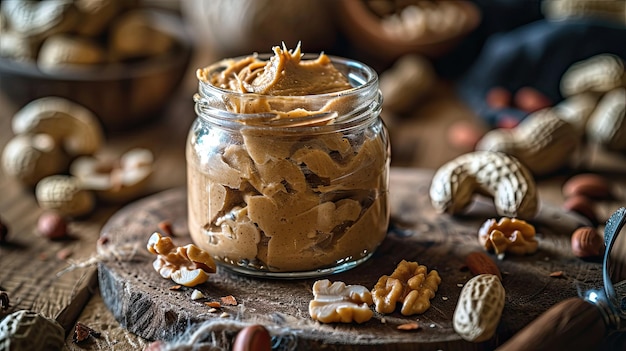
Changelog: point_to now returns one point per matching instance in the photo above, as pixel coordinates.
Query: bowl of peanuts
(121, 60)
(389, 29)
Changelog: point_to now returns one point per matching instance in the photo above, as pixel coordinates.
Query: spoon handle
(572, 324)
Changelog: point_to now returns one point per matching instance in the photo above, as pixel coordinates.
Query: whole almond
(480, 263)
(253, 338)
(593, 186)
(587, 242)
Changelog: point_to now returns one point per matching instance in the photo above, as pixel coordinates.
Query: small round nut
(253, 337)
(587, 242)
(52, 225)
(593, 186)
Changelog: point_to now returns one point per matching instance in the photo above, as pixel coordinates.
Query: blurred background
(449, 70)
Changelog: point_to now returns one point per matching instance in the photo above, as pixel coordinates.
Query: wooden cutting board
(144, 304)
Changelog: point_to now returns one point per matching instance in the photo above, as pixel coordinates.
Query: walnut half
(410, 284)
(508, 235)
(340, 303)
(187, 265)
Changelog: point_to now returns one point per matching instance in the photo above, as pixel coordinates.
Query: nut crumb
(64, 254)
(459, 285)
(197, 295)
(229, 300)
(82, 332)
(383, 320)
(224, 315)
(432, 325)
(557, 274)
(408, 326)
(444, 298)
(176, 287)
(212, 310)
(214, 304)
(165, 226)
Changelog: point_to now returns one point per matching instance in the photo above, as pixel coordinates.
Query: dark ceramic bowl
(122, 95)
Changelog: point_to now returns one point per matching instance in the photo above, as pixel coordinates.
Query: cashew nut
(543, 141)
(118, 180)
(494, 174)
(64, 194)
(71, 125)
(31, 157)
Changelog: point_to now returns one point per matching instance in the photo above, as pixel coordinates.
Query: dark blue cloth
(536, 55)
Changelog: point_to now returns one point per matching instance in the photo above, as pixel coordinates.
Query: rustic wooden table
(35, 271)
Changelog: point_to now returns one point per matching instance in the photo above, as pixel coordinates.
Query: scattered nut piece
(64, 254)
(409, 284)
(82, 332)
(479, 263)
(508, 235)
(52, 225)
(557, 274)
(176, 287)
(479, 308)
(197, 295)
(165, 227)
(229, 300)
(495, 174)
(408, 326)
(587, 242)
(214, 304)
(340, 303)
(115, 181)
(187, 265)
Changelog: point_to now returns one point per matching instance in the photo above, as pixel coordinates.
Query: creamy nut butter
(288, 164)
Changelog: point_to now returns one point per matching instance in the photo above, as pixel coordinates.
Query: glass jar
(295, 196)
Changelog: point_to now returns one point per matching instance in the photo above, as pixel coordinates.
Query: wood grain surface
(142, 301)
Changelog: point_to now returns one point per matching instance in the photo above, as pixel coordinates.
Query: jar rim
(372, 78)
(363, 78)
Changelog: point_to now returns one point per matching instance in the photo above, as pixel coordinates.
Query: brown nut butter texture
(281, 201)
